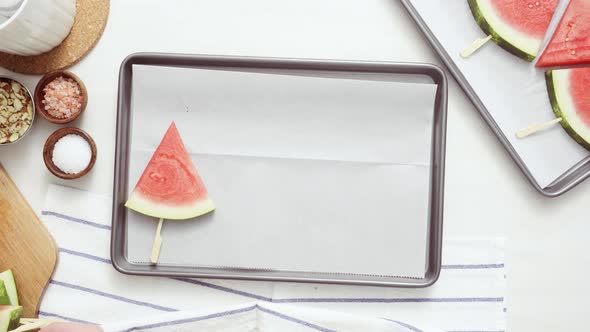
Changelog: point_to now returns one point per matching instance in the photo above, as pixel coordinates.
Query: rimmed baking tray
(428, 73)
(576, 174)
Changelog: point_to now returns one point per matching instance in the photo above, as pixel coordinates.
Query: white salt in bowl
(49, 147)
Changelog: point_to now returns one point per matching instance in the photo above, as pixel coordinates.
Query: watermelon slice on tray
(515, 25)
(570, 100)
(570, 44)
(170, 186)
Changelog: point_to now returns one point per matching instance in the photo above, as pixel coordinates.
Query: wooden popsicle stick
(31, 324)
(524, 132)
(24, 321)
(30, 327)
(157, 243)
(476, 45)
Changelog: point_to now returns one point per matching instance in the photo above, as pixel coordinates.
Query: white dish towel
(468, 297)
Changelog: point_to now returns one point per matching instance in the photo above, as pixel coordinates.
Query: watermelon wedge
(515, 25)
(9, 317)
(570, 44)
(568, 92)
(170, 187)
(7, 279)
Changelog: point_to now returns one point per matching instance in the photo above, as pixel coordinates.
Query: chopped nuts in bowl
(17, 110)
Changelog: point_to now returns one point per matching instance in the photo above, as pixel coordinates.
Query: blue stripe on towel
(74, 320)
(472, 266)
(77, 220)
(225, 289)
(408, 326)
(111, 296)
(81, 254)
(393, 300)
(192, 320)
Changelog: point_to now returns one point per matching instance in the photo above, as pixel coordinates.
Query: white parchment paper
(308, 174)
(513, 90)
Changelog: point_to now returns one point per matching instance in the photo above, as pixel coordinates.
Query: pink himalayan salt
(63, 98)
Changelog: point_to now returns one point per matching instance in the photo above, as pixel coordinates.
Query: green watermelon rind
(170, 212)
(483, 23)
(554, 92)
(4, 298)
(10, 317)
(8, 278)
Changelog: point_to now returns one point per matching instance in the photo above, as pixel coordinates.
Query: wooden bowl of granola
(17, 110)
(60, 97)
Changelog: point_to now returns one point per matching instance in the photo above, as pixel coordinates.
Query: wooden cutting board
(26, 246)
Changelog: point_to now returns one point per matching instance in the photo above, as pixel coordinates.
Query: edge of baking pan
(567, 181)
(436, 203)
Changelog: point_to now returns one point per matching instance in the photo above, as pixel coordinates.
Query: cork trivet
(91, 19)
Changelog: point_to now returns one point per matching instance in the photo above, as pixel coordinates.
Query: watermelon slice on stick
(170, 187)
(570, 44)
(570, 100)
(515, 25)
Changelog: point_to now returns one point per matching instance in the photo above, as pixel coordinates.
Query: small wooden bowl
(40, 95)
(50, 144)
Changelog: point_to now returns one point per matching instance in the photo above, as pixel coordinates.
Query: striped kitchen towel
(469, 296)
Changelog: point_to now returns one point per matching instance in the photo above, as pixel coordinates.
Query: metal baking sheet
(342, 69)
(571, 177)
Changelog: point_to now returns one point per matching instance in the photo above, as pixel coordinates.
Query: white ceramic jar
(37, 26)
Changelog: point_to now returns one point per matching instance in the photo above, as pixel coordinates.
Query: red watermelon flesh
(570, 44)
(170, 187)
(529, 17)
(579, 87)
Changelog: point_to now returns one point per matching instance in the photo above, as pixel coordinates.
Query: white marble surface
(486, 195)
